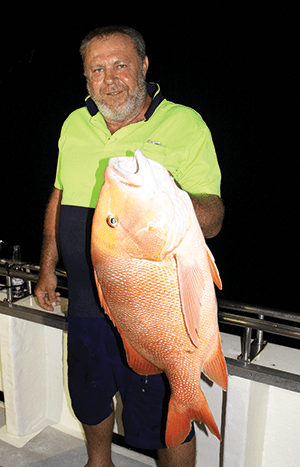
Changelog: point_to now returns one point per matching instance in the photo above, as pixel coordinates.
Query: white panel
(33, 388)
(282, 431)
(258, 403)
(236, 425)
(208, 446)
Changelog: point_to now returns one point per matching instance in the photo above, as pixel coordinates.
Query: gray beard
(130, 109)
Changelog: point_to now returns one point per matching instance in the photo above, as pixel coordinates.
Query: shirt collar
(153, 90)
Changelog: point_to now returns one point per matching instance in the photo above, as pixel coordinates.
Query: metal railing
(28, 272)
(230, 312)
(250, 349)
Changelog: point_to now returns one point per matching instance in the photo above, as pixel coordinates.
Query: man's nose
(109, 76)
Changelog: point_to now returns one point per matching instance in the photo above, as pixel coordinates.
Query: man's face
(115, 77)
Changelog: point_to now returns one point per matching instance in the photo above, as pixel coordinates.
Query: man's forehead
(114, 44)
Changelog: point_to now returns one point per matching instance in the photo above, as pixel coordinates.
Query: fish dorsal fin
(191, 288)
(213, 269)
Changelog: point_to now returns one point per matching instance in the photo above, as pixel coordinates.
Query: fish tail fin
(178, 424)
(180, 418)
(215, 367)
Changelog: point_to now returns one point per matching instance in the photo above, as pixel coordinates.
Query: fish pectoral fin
(191, 288)
(213, 269)
(215, 367)
(139, 365)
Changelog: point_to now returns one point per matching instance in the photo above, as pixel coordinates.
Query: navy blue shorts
(97, 369)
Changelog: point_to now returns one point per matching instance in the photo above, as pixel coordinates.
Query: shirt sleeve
(58, 182)
(199, 171)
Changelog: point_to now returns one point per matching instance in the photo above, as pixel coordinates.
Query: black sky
(233, 62)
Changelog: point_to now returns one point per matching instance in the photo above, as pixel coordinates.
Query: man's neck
(113, 126)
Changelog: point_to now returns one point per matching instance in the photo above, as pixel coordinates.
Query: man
(122, 114)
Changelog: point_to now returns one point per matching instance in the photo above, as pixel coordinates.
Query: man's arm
(47, 283)
(209, 210)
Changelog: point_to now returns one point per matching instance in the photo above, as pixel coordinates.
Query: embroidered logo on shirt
(154, 142)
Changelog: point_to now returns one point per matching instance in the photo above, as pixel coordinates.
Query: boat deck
(53, 448)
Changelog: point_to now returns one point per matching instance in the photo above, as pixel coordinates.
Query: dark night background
(233, 62)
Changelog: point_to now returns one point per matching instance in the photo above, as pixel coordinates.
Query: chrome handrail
(250, 349)
(29, 273)
(230, 312)
(259, 310)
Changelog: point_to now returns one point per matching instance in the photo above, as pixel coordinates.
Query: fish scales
(154, 275)
(135, 294)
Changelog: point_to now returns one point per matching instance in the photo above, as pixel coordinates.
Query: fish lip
(129, 170)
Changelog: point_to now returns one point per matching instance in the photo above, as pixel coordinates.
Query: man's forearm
(50, 247)
(45, 289)
(209, 210)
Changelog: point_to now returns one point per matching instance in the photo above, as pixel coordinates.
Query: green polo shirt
(171, 134)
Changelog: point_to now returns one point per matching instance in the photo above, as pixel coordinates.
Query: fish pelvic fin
(215, 367)
(180, 418)
(101, 297)
(137, 363)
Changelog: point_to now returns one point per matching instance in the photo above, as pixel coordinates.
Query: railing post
(258, 344)
(260, 333)
(29, 283)
(9, 288)
(246, 345)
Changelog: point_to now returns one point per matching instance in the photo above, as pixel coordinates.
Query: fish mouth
(130, 170)
(155, 182)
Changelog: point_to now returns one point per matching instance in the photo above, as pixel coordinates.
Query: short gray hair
(107, 31)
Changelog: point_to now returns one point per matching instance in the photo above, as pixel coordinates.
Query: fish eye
(112, 221)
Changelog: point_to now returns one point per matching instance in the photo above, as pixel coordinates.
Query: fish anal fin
(180, 418)
(213, 269)
(191, 288)
(139, 365)
(215, 367)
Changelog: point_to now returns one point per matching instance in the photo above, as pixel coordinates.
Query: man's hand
(45, 292)
(209, 210)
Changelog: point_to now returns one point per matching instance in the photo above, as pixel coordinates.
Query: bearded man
(122, 113)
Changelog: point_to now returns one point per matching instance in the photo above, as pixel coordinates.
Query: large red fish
(155, 277)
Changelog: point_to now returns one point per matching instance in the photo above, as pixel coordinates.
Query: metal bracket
(250, 350)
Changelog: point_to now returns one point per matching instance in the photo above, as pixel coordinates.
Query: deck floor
(52, 448)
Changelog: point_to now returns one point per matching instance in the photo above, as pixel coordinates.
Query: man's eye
(98, 70)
